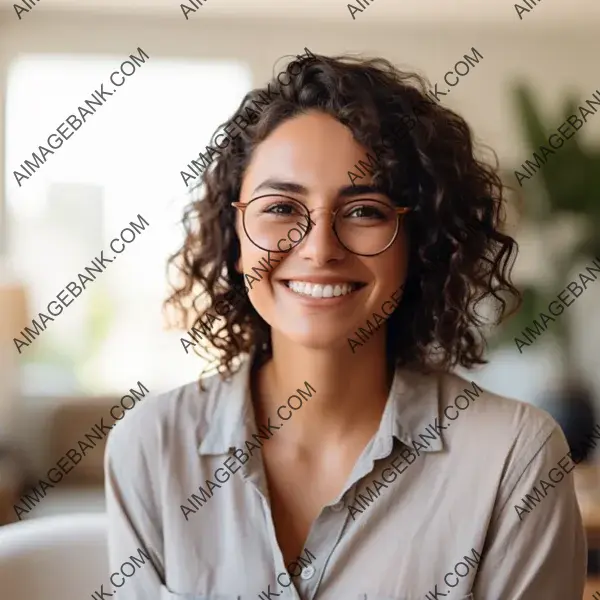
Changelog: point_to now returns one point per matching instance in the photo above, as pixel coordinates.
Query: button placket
(322, 540)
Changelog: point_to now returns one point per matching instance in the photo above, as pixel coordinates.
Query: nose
(320, 245)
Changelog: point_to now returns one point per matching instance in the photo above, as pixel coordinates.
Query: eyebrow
(347, 191)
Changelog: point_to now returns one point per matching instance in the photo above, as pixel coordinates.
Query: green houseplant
(565, 190)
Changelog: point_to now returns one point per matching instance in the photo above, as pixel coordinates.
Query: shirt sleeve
(536, 545)
(134, 529)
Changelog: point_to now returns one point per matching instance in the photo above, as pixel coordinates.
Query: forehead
(313, 150)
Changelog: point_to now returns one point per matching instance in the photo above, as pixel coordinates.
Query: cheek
(253, 266)
(392, 264)
(250, 256)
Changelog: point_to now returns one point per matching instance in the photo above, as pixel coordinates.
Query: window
(124, 161)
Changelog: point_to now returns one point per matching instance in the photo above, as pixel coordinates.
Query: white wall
(551, 60)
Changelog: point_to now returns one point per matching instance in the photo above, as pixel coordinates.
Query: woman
(345, 238)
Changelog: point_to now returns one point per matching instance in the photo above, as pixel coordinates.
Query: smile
(323, 290)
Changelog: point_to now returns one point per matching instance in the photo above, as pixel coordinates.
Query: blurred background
(126, 161)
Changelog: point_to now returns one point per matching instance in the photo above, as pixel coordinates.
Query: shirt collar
(233, 417)
(412, 406)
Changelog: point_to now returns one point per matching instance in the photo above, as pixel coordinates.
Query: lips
(323, 290)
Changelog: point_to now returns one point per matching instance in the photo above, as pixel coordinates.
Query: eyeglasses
(365, 227)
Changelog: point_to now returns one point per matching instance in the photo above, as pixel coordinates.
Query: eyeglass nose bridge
(332, 215)
(329, 210)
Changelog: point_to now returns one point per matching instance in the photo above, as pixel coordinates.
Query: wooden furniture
(592, 587)
(11, 486)
(72, 419)
(587, 486)
(591, 521)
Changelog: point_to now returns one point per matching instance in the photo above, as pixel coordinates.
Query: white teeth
(318, 290)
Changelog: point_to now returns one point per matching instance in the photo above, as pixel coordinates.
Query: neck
(348, 389)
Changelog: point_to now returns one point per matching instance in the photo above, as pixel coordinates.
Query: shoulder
(493, 414)
(513, 438)
(159, 421)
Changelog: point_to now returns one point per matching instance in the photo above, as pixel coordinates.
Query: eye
(366, 211)
(281, 208)
(277, 206)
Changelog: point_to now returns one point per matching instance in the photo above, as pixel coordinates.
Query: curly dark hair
(458, 256)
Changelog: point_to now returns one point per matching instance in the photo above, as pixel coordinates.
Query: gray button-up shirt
(461, 494)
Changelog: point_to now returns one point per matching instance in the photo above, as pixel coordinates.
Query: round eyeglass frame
(242, 206)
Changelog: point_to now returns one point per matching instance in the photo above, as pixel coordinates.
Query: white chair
(54, 558)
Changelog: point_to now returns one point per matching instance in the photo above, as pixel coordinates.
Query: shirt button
(337, 507)
(307, 572)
